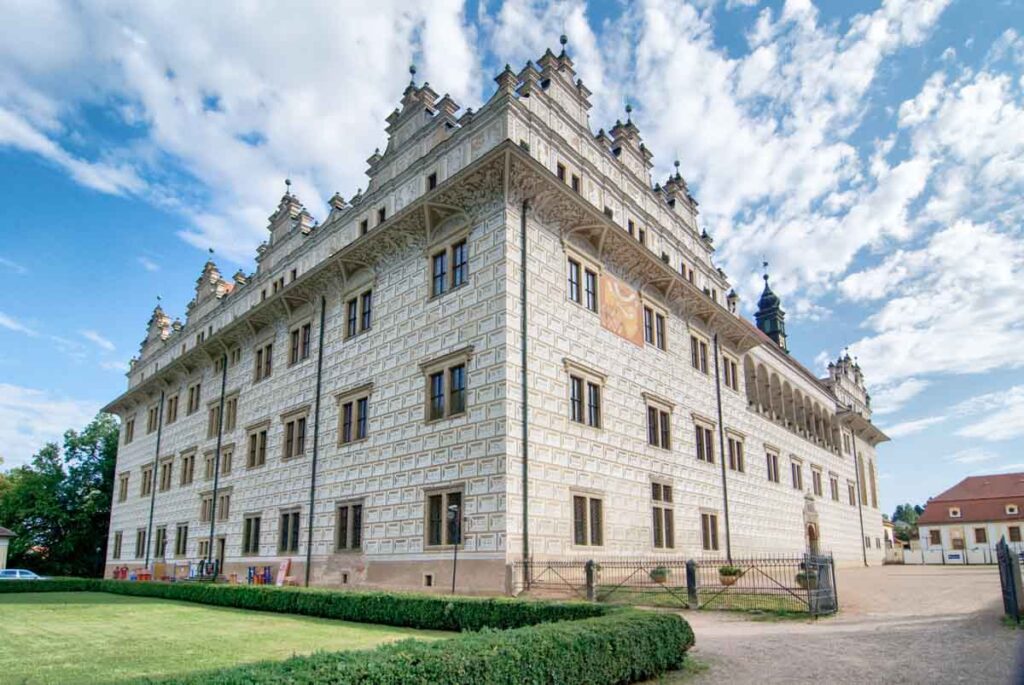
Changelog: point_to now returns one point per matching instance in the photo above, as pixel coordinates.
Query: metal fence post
(588, 568)
(691, 584)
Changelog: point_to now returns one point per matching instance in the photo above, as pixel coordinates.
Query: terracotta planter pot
(727, 580)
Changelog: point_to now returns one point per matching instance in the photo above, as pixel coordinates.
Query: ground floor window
(251, 535)
(587, 520)
(442, 529)
(288, 532)
(935, 537)
(161, 542)
(709, 532)
(980, 536)
(140, 543)
(349, 527)
(117, 545)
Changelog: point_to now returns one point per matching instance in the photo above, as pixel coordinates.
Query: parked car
(19, 574)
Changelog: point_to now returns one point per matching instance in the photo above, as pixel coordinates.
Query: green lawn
(91, 637)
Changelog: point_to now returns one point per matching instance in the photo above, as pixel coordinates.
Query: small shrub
(660, 574)
(730, 571)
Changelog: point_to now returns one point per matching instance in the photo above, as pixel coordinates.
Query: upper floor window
(172, 409)
(152, 418)
(146, 486)
(705, 440)
(833, 484)
(122, 487)
(575, 183)
(294, 435)
(264, 362)
(954, 512)
(659, 423)
(582, 283)
(796, 470)
(699, 353)
(364, 226)
(816, 485)
(354, 414)
(449, 268)
(630, 226)
(257, 455)
(213, 421)
(382, 215)
(300, 343)
(166, 472)
(188, 468)
(129, 430)
(641, 235)
(560, 172)
(584, 394)
(851, 490)
(654, 327)
(446, 385)
(231, 413)
(359, 313)
(773, 466)
(195, 396)
(729, 373)
(735, 447)
(432, 181)
(1011, 510)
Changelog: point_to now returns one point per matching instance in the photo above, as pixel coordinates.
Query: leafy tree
(905, 521)
(59, 504)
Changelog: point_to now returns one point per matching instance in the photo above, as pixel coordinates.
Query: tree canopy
(58, 505)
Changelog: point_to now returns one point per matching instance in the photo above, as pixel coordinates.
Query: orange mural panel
(621, 311)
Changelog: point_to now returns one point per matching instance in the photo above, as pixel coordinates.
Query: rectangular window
(575, 183)
(658, 427)
(212, 421)
(160, 550)
(709, 532)
(205, 508)
(129, 431)
(352, 318)
(575, 284)
(299, 348)
(641, 236)
(663, 516)
(659, 331)
(230, 413)
(264, 363)
(980, 536)
(705, 440)
(365, 310)
(588, 520)
(833, 484)
(444, 518)
(208, 466)
(294, 437)
(288, 532)
(590, 289)
(853, 494)
(118, 536)
(122, 487)
(349, 527)
(460, 264)
(146, 487)
(648, 325)
(1014, 532)
(181, 540)
(773, 466)
(194, 398)
(172, 410)
(439, 274)
(166, 472)
(152, 417)
(382, 215)
(560, 172)
(204, 548)
(235, 357)
(630, 226)
(223, 506)
(364, 227)
(251, 535)
(576, 399)
(594, 405)
(257, 455)
(225, 461)
(354, 418)
(935, 537)
(796, 471)
(431, 181)
(699, 354)
(816, 482)
(446, 386)
(140, 543)
(736, 462)
(729, 373)
(188, 468)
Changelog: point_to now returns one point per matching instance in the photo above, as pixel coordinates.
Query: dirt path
(899, 624)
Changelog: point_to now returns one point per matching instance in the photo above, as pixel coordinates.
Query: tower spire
(771, 320)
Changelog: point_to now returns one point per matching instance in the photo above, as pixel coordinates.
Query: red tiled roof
(979, 498)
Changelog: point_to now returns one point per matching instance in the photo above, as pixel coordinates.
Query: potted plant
(659, 574)
(727, 575)
(807, 580)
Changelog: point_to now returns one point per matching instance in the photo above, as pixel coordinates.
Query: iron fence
(804, 583)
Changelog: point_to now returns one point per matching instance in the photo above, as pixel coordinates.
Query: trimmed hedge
(535, 642)
(429, 612)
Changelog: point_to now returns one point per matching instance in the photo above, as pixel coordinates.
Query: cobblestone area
(899, 624)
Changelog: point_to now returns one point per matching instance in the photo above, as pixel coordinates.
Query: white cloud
(216, 94)
(1003, 415)
(887, 399)
(29, 418)
(12, 324)
(13, 266)
(148, 264)
(98, 340)
(972, 455)
(902, 430)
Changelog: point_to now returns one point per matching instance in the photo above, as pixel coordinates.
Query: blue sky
(872, 151)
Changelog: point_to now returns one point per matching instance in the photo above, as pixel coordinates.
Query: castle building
(513, 342)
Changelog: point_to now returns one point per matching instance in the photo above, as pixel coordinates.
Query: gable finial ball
(563, 39)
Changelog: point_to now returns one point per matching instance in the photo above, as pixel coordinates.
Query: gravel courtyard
(899, 624)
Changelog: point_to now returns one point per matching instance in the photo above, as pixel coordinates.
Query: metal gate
(1009, 579)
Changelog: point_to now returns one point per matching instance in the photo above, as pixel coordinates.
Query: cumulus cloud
(972, 455)
(29, 418)
(98, 340)
(902, 430)
(1003, 415)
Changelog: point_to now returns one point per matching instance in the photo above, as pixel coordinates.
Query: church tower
(770, 317)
